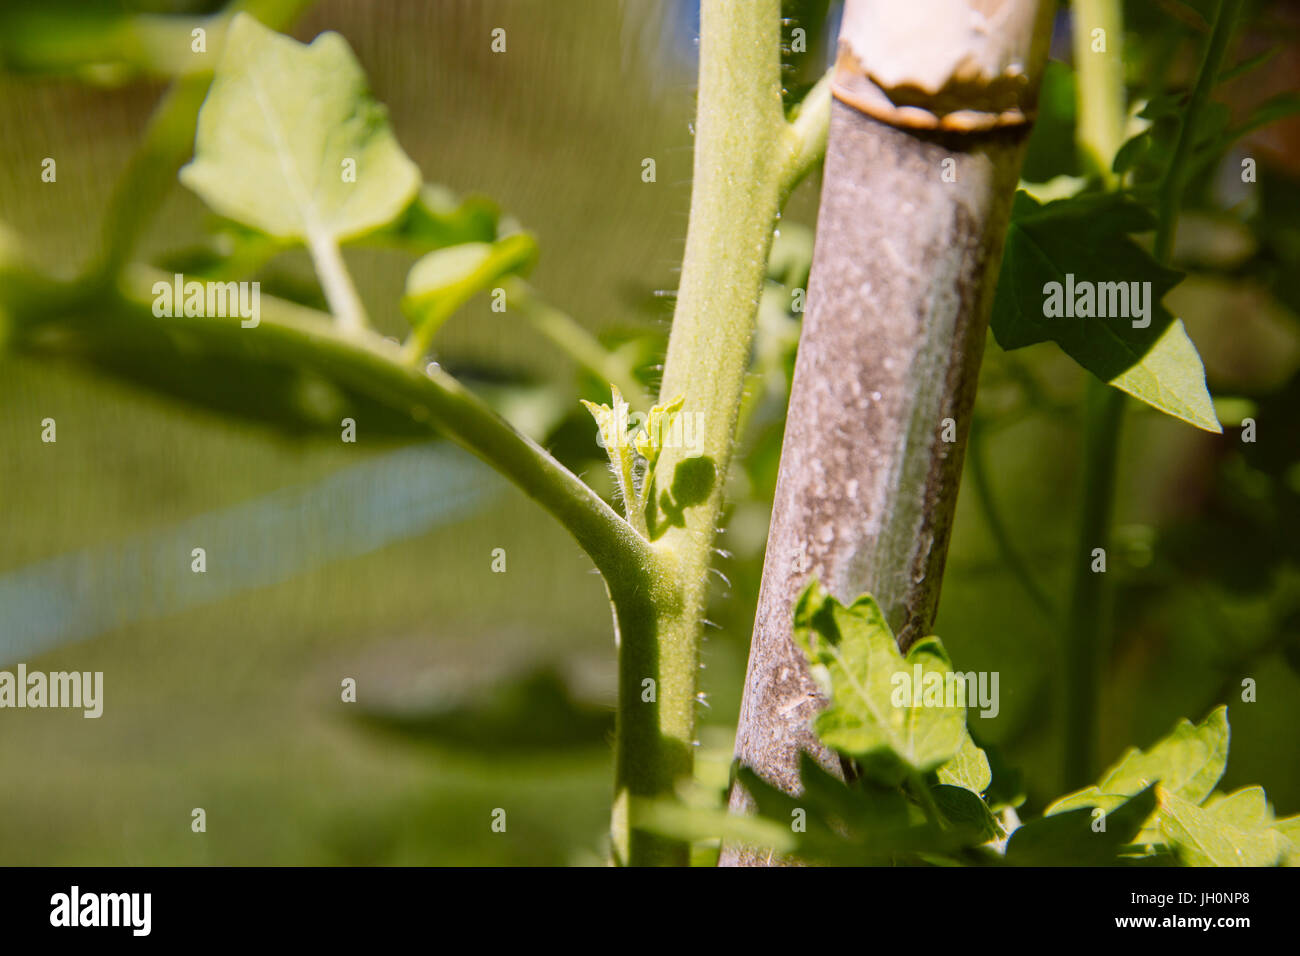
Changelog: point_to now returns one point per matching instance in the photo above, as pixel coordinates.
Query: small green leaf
(612, 424)
(1208, 837)
(281, 127)
(650, 440)
(1072, 838)
(1085, 799)
(1170, 377)
(611, 421)
(963, 808)
(850, 825)
(1246, 808)
(969, 768)
(444, 280)
(871, 716)
(1067, 262)
(1188, 762)
(1289, 827)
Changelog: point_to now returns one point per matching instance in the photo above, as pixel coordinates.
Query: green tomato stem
(743, 168)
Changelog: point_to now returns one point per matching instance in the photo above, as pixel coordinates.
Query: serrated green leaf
(852, 650)
(858, 825)
(444, 280)
(1188, 762)
(279, 122)
(651, 439)
(1057, 252)
(1086, 798)
(1246, 809)
(1289, 828)
(968, 768)
(1208, 837)
(1071, 838)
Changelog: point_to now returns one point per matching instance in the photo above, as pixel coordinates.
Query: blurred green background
(479, 690)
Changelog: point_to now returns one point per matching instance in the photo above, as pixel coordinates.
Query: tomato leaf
(1071, 275)
(291, 143)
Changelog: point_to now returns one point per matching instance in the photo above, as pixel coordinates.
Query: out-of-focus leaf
(1078, 838)
(963, 808)
(791, 257)
(106, 46)
(436, 218)
(1248, 64)
(281, 127)
(1051, 151)
(536, 712)
(444, 280)
(969, 768)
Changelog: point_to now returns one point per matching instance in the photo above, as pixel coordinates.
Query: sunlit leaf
(283, 126)
(852, 650)
(1070, 261)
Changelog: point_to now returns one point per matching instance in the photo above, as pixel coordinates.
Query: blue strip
(259, 542)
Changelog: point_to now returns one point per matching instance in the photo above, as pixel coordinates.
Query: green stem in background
(570, 337)
(1011, 558)
(1175, 179)
(300, 336)
(1102, 112)
(744, 160)
(806, 135)
(1087, 629)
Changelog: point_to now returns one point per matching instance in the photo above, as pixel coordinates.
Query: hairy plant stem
(746, 159)
(302, 337)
